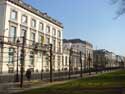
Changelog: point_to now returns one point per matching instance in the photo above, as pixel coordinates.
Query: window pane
(13, 15)
(48, 40)
(41, 39)
(33, 24)
(59, 34)
(54, 31)
(24, 19)
(23, 32)
(32, 38)
(11, 55)
(48, 29)
(12, 34)
(31, 58)
(41, 26)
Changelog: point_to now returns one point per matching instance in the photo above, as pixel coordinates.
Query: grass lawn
(108, 83)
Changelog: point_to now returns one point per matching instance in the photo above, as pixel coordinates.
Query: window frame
(59, 33)
(41, 26)
(12, 36)
(54, 32)
(25, 22)
(11, 55)
(47, 29)
(15, 16)
(33, 23)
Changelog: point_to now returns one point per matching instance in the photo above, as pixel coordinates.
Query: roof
(28, 7)
(76, 41)
(104, 51)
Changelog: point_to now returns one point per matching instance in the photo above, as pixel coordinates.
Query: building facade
(105, 59)
(78, 46)
(72, 57)
(18, 19)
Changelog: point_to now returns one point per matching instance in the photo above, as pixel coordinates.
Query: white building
(18, 18)
(79, 45)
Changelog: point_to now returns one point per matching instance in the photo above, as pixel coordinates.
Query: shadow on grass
(86, 91)
(109, 83)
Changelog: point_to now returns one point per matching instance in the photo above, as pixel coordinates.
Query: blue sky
(91, 20)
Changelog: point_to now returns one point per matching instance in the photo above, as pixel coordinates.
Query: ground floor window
(11, 55)
(31, 57)
(10, 70)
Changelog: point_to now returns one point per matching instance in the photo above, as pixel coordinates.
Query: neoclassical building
(77, 46)
(106, 59)
(18, 19)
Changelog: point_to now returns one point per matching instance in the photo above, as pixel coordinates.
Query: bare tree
(121, 8)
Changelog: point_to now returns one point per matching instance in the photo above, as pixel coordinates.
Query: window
(32, 38)
(59, 33)
(39, 54)
(41, 39)
(54, 45)
(13, 15)
(65, 60)
(11, 55)
(58, 60)
(59, 46)
(48, 40)
(31, 57)
(22, 34)
(41, 26)
(12, 34)
(53, 61)
(33, 23)
(24, 19)
(48, 29)
(54, 31)
(47, 60)
(11, 70)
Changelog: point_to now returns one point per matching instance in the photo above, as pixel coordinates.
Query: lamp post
(42, 67)
(51, 71)
(85, 60)
(89, 59)
(81, 63)
(22, 60)
(70, 57)
(17, 75)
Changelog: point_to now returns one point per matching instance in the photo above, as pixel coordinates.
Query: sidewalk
(10, 88)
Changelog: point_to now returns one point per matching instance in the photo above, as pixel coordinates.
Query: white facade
(85, 47)
(74, 57)
(14, 21)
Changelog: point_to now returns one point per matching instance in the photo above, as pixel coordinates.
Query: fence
(13, 52)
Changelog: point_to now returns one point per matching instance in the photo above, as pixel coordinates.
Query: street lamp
(50, 46)
(70, 57)
(89, 59)
(22, 59)
(17, 75)
(81, 64)
(42, 66)
(84, 62)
